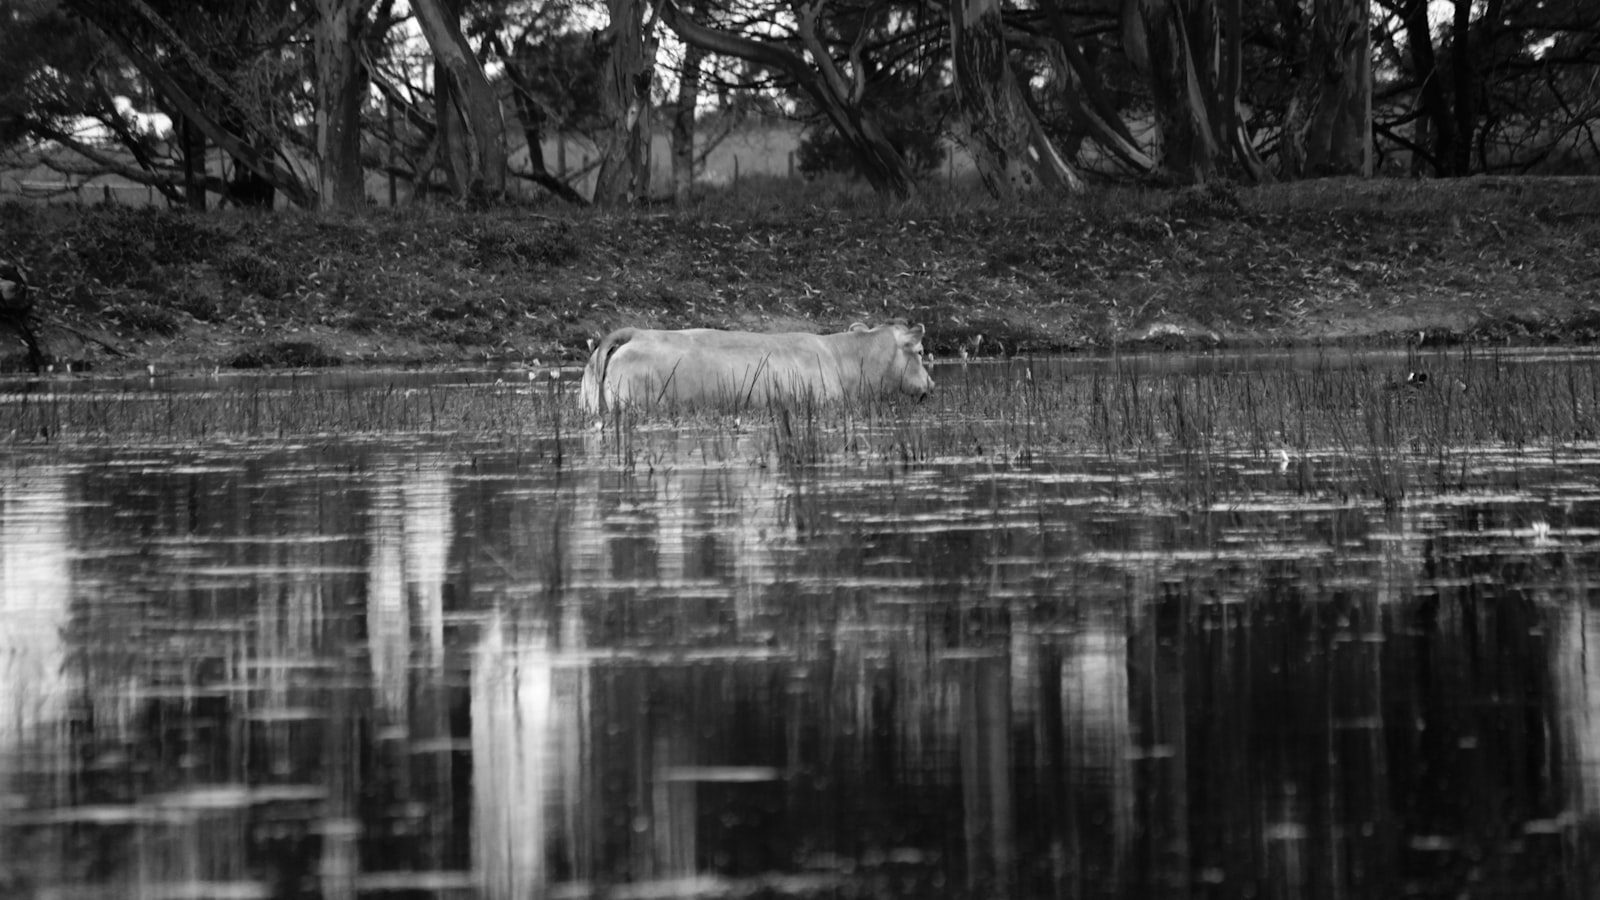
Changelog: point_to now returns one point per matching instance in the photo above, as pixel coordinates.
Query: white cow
(703, 366)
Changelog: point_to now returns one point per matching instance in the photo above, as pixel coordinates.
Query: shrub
(494, 244)
(1212, 200)
(126, 245)
(284, 354)
(255, 274)
(197, 302)
(145, 318)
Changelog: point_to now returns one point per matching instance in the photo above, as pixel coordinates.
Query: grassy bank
(1322, 262)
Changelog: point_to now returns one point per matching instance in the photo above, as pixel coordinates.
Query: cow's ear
(857, 326)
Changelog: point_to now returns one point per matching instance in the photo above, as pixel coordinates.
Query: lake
(1266, 625)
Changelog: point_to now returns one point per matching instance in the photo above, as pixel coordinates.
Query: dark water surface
(428, 665)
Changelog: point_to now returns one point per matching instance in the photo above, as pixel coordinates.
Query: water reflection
(341, 671)
(1577, 692)
(409, 533)
(526, 755)
(35, 606)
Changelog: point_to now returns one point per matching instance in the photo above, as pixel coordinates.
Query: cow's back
(710, 367)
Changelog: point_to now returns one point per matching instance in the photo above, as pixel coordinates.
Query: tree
(681, 136)
(53, 76)
(472, 128)
(1012, 151)
(553, 80)
(216, 95)
(1541, 106)
(1192, 59)
(1327, 129)
(837, 88)
(1092, 111)
(909, 102)
(341, 88)
(1502, 85)
(281, 88)
(627, 50)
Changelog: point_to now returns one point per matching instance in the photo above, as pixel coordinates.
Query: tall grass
(263, 409)
(1332, 427)
(1336, 425)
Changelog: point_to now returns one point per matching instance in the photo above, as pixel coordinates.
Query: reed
(1370, 425)
(277, 410)
(1338, 425)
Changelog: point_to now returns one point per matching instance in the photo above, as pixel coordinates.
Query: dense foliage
(302, 99)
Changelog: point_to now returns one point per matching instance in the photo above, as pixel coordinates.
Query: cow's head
(909, 366)
(14, 287)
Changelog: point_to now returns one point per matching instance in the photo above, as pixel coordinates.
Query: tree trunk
(1012, 151)
(683, 115)
(1465, 82)
(450, 140)
(1192, 57)
(1339, 140)
(248, 190)
(1328, 130)
(627, 71)
(841, 101)
(1081, 86)
(194, 163)
(1232, 134)
(481, 134)
(341, 88)
(1419, 40)
(1157, 39)
(244, 187)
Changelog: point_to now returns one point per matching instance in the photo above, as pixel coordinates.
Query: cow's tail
(592, 390)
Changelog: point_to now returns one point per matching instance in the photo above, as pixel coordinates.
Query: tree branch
(282, 179)
(109, 164)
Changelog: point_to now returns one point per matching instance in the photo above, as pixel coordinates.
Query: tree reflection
(345, 672)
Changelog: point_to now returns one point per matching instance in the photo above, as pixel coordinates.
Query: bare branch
(282, 179)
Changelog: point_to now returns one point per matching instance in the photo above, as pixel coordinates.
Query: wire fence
(82, 193)
(571, 161)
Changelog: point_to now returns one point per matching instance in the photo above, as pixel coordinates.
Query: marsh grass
(1337, 426)
(300, 409)
(1332, 428)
